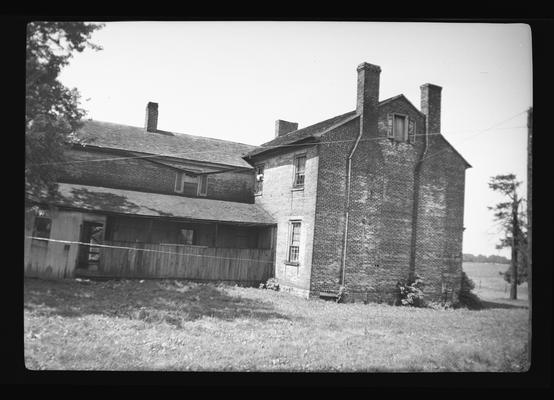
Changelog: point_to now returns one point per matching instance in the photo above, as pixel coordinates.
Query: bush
(443, 305)
(272, 284)
(341, 296)
(466, 298)
(410, 292)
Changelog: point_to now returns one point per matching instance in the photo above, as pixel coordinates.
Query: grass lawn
(178, 325)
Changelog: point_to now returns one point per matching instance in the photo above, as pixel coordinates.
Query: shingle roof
(300, 134)
(313, 131)
(95, 198)
(179, 145)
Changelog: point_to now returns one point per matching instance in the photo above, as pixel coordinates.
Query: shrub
(410, 292)
(341, 296)
(444, 305)
(272, 284)
(466, 298)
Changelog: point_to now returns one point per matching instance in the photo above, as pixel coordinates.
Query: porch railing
(146, 260)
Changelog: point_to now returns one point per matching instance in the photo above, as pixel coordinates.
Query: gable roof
(316, 130)
(101, 199)
(304, 133)
(163, 143)
(401, 97)
(441, 136)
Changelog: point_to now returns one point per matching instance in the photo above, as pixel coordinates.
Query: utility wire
(477, 134)
(145, 250)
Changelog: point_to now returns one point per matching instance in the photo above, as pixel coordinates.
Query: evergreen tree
(513, 225)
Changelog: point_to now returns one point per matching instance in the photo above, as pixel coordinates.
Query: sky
(232, 80)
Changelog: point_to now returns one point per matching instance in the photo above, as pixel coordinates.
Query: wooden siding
(55, 260)
(228, 262)
(133, 229)
(183, 262)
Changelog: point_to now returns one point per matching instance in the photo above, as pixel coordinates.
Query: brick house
(167, 193)
(360, 200)
(366, 198)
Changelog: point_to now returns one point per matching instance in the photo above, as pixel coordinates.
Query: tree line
(495, 259)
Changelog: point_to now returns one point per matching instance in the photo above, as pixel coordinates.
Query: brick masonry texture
(381, 212)
(285, 203)
(142, 175)
(440, 222)
(405, 217)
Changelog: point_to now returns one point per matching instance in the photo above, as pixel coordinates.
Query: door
(91, 233)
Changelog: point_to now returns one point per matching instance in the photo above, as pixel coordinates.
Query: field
(489, 285)
(178, 325)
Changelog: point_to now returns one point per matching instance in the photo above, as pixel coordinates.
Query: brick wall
(285, 203)
(379, 246)
(440, 221)
(142, 175)
(330, 206)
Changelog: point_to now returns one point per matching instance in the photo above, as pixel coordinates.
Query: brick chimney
(431, 106)
(368, 95)
(284, 127)
(151, 121)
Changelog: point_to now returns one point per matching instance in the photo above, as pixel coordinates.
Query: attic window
(401, 128)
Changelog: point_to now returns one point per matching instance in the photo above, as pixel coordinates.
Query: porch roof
(102, 199)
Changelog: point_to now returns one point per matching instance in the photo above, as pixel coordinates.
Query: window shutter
(389, 126)
(411, 131)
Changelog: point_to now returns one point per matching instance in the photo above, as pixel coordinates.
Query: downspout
(417, 172)
(346, 214)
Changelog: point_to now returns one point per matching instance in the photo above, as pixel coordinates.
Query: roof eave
(401, 96)
(468, 165)
(116, 150)
(314, 137)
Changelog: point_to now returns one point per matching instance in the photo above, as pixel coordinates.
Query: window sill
(258, 194)
(293, 263)
(297, 188)
(400, 141)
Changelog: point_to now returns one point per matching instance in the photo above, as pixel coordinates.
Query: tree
(513, 224)
(52, 113)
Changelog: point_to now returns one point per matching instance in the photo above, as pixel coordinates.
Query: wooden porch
(146, 260)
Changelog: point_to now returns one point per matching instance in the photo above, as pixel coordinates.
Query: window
(294, 242)
(411, 130)
(400, 128)
(42, 227)
(299, 170)
(202, 185)
(186, 184)
(259, 183)
(186, 236)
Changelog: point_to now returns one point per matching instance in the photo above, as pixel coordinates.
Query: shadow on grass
(488, 304)
(151, 301)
